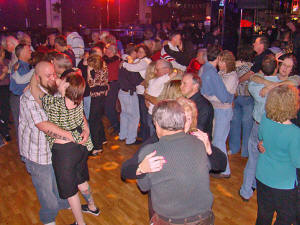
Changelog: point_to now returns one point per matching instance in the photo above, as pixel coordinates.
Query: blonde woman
(276, 167)
(150, 74)
(171, 91)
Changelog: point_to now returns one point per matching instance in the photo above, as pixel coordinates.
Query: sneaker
(244, 199)
(85, 208)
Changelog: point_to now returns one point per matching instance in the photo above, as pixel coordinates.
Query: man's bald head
(41, 66)
(46, 76)
(163, 67)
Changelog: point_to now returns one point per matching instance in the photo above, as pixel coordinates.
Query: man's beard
(51, 89)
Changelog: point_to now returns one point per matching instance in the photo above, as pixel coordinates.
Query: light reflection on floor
(222, 190)
(114, 147)
(110, 166)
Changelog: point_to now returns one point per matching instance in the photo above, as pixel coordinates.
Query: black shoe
(137, 142)
(85, 208)
(95, 152)
(7, 137)
(244, 199)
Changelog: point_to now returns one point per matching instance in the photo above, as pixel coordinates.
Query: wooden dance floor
(120, 203)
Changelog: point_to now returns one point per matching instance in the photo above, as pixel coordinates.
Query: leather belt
(187, 219)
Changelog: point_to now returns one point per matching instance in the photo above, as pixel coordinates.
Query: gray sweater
(181, 189)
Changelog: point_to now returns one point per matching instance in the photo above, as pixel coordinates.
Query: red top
(194, 66)
(155, 56)
(113, 70)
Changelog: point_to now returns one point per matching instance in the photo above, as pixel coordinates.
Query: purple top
(5, 81)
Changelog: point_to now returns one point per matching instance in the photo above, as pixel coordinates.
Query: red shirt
(113, 70)
(155, 56)
(194, 66)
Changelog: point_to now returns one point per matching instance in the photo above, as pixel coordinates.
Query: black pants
(270, 200)
(110, 104)
(70, 167)
(144, 132)
(95, 121)
(14, 101)
(4, 103)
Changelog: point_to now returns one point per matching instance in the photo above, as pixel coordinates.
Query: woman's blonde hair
(189, 106)
(172, 90)
(282, 103)
(96, 62)
(228, 58)
(150, 73)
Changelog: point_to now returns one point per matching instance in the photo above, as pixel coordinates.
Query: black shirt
(83, 69)
(129, 80)
(258, 61)
(182, 57)
(205, 113)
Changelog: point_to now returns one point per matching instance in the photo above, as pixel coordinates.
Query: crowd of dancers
(181, 103)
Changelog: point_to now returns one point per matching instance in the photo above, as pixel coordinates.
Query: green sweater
(276, 167)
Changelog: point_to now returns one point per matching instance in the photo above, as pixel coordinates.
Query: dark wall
(13, 14)
(74, 12)
(92, 13)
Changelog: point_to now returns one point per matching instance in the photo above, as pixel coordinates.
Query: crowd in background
(248, 99)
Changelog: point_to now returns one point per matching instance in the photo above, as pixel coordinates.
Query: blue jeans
(86, 106)
(44, 182)
(221, 131)
(242, 119)
(129, 116)
(250, 169)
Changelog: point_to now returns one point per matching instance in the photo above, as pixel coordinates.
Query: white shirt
(155, 87)
(139, 65)
(77, 44)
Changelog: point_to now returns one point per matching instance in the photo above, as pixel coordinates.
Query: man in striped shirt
(34, 148)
